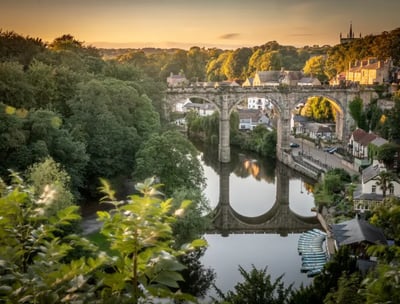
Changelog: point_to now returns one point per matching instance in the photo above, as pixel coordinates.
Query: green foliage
(332, 282)
(262, 141)
(197, 279)
(141, 234)
(383, 284)
(319, 109)
(235, 65)
(315, 67)
(172, 159)
(356, 108)
(32, 263)
(387, 217)
(41, 175)
(328, 192)
(194, 222)
(386, 153)
(384, 181)
(14, 47)
(257, 288)
(346, 291)
(15, 89)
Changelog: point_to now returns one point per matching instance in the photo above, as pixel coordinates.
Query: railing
(316, 162)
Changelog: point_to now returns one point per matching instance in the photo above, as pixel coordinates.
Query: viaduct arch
(284, 100)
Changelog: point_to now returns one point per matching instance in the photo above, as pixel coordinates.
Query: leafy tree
(122, 71)
(386, 154)
(387, 217)
(315, 67)
(140, 232)
(385, 181)
(15, 89)
(382, 285)
(393, 119)
(48, 172)
(173, 159)
(214, 68)
(41, 78)
(319, 109)
(14, 47)
(31, 256)
(197, 279)
(105, 124)
(196, 62)
(356, 108)
(257, 288)
(341, 265)
(347, 291)
(235, 65)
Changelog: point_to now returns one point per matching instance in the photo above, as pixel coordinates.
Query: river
(252, 185)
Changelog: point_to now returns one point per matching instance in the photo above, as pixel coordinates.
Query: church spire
(351, 34)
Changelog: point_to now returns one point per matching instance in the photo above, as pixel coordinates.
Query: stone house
(177, 81)
(358, 147)
(370, 193)
(251, 118)
(369, 71)
(318, 130)
(291, 78)
(248, 82)
(267, 78)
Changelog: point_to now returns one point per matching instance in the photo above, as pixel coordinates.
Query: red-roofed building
(358, 147)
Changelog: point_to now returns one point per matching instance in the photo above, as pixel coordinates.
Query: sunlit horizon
(226, 24)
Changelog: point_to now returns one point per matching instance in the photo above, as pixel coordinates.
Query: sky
(227, 24)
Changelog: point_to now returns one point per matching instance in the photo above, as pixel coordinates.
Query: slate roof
(357, 231)
(369, 197)
(269, 76)
(254, 114)
(379, 141)
(370, 172)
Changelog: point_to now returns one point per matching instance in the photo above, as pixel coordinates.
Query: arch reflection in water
(279, 219)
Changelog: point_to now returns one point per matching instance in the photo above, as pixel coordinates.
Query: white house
(358, 146)
(370, 193)
(259, 103)
(251, 118)
(179, 106)
(318, 130)
(203, 109)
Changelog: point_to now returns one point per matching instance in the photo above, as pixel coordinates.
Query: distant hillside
(114, 53)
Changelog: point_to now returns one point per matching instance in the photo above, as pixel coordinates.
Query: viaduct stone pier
(283, 98)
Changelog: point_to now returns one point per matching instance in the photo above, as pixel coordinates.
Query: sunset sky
(209, 23)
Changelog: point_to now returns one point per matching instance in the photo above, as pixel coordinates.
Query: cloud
(229, 36)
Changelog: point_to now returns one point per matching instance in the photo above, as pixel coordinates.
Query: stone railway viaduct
(279, 219)
(284, 100)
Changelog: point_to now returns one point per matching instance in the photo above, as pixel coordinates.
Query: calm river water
(252, 192)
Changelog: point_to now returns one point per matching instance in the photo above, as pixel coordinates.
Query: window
(391, 189)
(373, 190)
